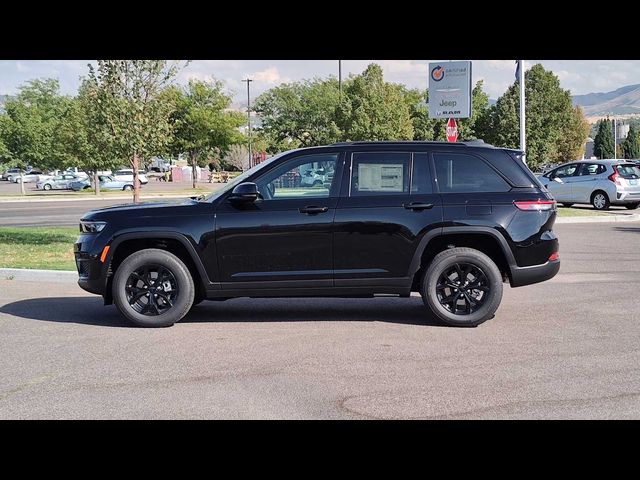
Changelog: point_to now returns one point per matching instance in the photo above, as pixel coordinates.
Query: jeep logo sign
(450, 90)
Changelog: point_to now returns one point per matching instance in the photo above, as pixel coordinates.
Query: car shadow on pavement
(627, 229)
(90, 311)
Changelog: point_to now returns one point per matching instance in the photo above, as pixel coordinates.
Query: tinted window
(460, 173)
(566, 171)
(380, 174)
(421, 176)
(592, 169)
(308, 176)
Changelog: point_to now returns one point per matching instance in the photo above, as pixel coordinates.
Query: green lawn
(578, 212)
(49, 248)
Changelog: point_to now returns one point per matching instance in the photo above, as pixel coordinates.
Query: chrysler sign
(450, 90)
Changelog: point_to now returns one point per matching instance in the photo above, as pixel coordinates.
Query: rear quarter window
(462, 173)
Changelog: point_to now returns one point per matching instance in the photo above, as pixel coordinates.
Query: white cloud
(269, 75)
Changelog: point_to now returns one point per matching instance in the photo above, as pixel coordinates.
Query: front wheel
(47, 186)
(462, 287)
(127, 188)
(153, 288)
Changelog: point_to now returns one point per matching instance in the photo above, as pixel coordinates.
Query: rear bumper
(521, 276)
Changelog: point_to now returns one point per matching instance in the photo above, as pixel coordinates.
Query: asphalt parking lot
(567, 348)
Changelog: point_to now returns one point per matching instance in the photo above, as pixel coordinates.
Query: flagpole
(523, 139)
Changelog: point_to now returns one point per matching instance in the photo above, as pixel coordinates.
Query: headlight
(91, 227)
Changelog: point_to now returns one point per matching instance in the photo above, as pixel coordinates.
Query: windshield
(240, 178)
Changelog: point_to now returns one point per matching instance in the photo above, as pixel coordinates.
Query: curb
(91, 198)
(33, 275)
(600, 219)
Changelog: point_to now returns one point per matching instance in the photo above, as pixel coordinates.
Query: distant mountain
(623, 101)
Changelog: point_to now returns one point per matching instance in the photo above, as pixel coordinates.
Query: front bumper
(91, 274)
(521, 276)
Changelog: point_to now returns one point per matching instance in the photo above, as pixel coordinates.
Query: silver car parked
(599, 182)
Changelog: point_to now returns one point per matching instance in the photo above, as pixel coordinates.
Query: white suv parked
(599, 182)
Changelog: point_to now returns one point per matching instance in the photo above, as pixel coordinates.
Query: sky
(579, 76)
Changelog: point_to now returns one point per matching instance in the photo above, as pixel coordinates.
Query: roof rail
(469, 143)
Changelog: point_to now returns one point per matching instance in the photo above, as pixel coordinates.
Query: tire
(127, 188)
(442, 265)
(567, 205)
(159, 262)
(47, 186)
(600, 200)
(631, 206)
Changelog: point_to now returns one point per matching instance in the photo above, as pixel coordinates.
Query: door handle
(417, 206)
(313, 210)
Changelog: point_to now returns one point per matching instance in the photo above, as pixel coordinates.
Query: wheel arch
(485, 239)
(173, 242)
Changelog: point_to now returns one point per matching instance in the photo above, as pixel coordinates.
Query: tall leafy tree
(32, 119)
(631, 144)
(373, 109)
(300, 113)
(603, 144)
(203, 125)
(131, 113)
(554, 131)
(571, 144)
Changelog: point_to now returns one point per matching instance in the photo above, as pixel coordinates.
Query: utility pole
(248, 80)
(615, 139)
(523, 138)
(340, 77)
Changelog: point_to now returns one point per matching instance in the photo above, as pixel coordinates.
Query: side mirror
(557, 179)
(246, 192)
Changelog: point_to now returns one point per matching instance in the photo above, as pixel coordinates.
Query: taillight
(554, 256)
(536, 205)
(614, 178)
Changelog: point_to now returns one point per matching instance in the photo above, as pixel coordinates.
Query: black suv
(452, 221)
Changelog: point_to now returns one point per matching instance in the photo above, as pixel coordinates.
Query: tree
(130, 113)
(32, 119)
(571, 144)
(603, 144)
(631, 144)
(373, 109)
(554, 129)
(238, 156)
(300, 113)
(202, 125)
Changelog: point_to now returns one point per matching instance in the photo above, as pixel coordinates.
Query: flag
(517, 71)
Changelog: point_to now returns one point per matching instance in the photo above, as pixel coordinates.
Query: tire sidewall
(440, 264)
(181, 274)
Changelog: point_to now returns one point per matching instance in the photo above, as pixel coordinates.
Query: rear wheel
(153, 288)
(462, 287)
(600, 200)
(632, 206)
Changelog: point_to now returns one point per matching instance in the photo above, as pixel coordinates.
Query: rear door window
(462, 173)
(592, 169)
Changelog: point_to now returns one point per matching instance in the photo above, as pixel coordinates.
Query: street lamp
(248, 80)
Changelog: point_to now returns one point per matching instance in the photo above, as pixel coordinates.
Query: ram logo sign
(450, 90)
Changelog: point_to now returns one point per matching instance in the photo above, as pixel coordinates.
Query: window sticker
(375, 177)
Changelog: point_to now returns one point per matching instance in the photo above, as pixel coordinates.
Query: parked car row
(74, 179)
